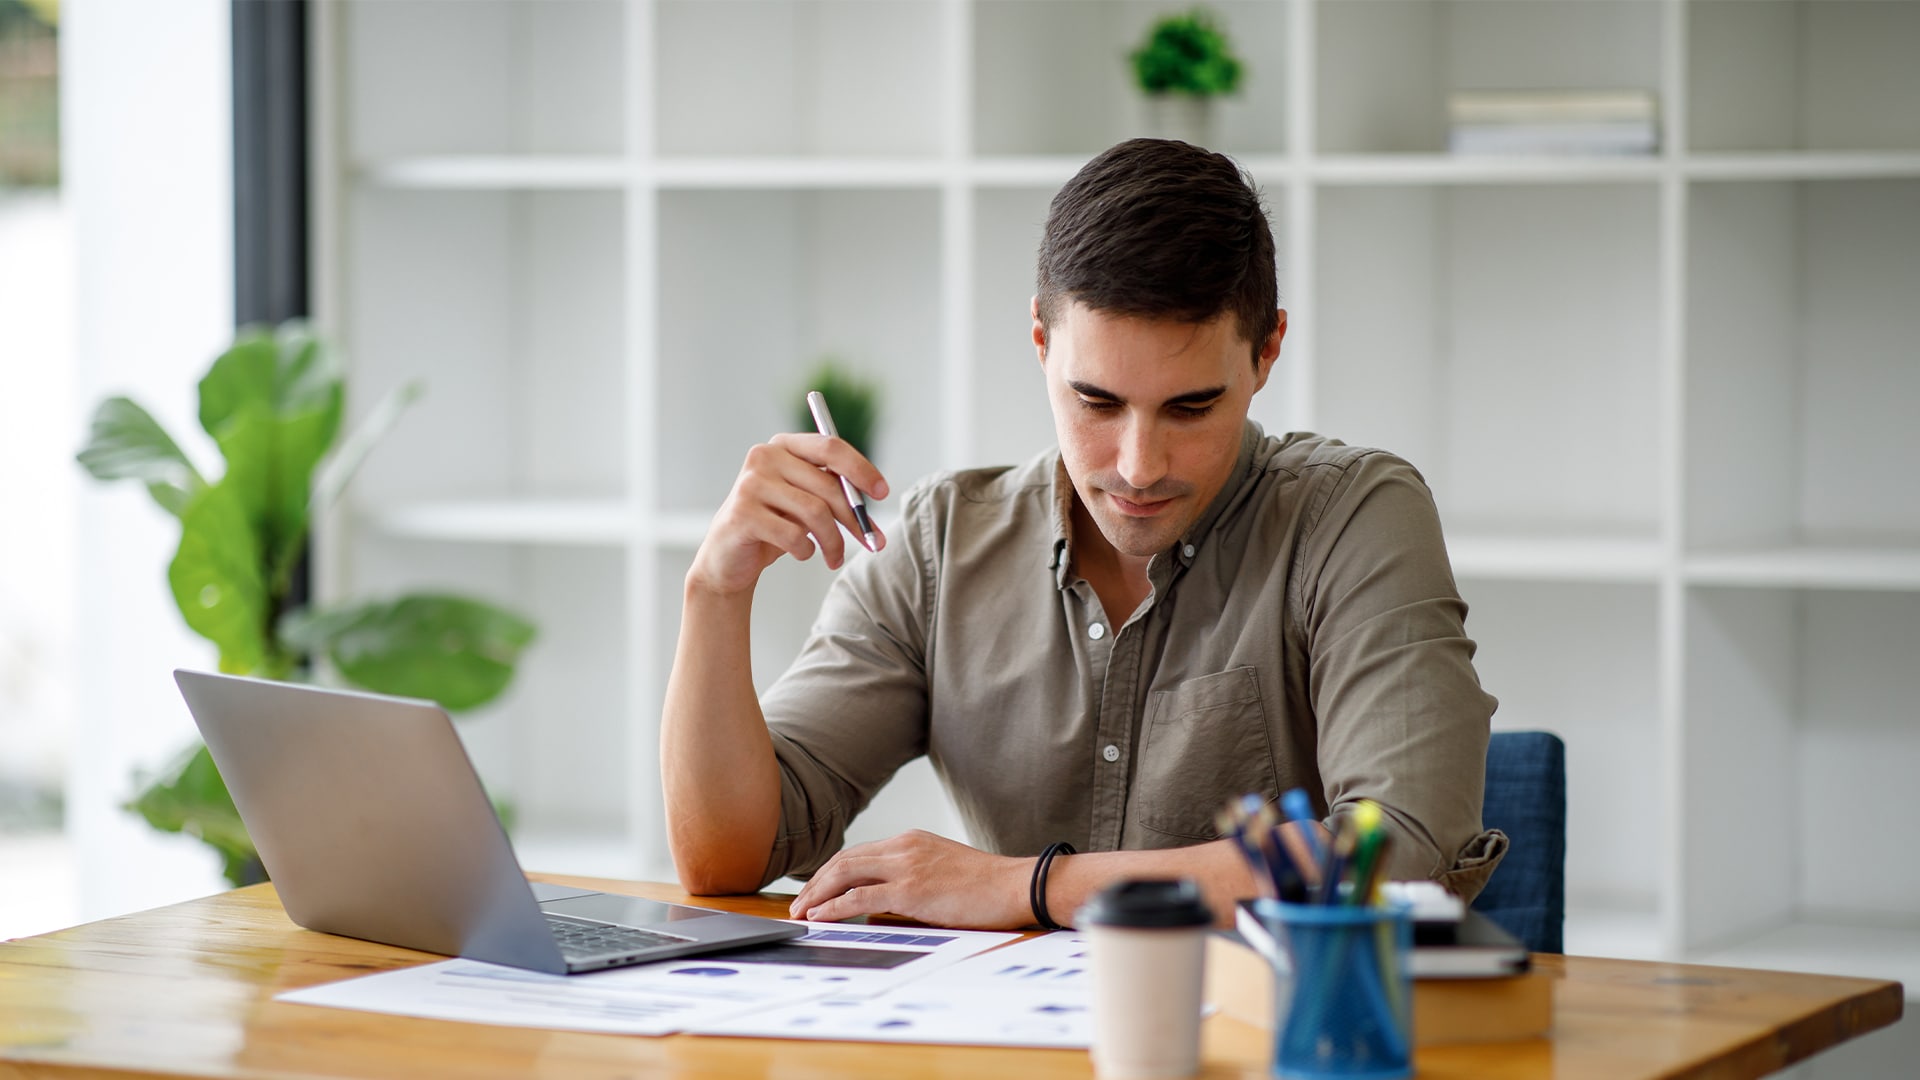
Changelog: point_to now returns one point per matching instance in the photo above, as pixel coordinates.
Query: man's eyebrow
(1191, 397)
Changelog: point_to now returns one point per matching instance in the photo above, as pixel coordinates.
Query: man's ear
(1039, 330)
(1269, 352)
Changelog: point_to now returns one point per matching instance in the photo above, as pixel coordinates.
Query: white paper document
(844, 961)
(1034, 993)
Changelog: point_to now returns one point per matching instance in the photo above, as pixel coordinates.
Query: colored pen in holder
(1343, 1002)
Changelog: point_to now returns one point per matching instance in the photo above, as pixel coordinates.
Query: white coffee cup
(1147, 950)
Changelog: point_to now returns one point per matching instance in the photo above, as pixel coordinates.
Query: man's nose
(1143, 456)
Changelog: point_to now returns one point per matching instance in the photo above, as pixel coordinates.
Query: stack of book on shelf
(1527, 122)
(1473, 982)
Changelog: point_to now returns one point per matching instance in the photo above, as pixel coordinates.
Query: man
(1101, 646)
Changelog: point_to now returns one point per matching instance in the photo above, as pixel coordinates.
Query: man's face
(1149, 415)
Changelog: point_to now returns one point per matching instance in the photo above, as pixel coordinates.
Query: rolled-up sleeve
(1402, 717)
(852, 708)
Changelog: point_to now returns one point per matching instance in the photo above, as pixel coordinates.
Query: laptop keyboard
(580, 939)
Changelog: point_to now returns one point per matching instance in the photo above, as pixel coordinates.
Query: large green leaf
(448, 649)
(274, 404)
(218, 584)
(127, 443)
(191, 797)
(289, 370)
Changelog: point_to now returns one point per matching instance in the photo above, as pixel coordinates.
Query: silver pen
(823, 421)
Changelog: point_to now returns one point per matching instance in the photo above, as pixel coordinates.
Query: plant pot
(1186, 117)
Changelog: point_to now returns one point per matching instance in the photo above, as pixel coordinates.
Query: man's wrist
(698, 589)
(1018, 890)
(1037, 887)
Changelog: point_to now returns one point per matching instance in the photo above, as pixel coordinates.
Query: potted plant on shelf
(274, 404)
(853, 400)
(1184, 65)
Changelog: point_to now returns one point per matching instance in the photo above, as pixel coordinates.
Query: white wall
(146, 159)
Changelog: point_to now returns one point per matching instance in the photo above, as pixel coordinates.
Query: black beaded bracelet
(1037, 888)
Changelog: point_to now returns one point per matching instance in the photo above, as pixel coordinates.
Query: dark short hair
(1160, 229)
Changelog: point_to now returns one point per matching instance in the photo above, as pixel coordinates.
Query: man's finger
(826, 485)
(860, 900)
(840, 874)
(837, 456)
(796, 500)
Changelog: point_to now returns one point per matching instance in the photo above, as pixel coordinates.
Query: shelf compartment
(1053, 77)
(1799, 366)
(1497, 338)
(507, 307)
(1799, 730)
(1598, 559)
(767, 77)
(1819, 76)
(1858, 753)
(1385, 68)
(757, 286)
(1592, 680)
(491, 77)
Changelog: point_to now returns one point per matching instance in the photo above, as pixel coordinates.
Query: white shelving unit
(1665, 403)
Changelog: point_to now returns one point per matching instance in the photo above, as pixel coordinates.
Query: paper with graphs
(1032, 993)
(834, 959)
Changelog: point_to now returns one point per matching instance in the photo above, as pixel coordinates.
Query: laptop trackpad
(624, 910)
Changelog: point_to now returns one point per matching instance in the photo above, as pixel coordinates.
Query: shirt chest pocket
(1206, 742)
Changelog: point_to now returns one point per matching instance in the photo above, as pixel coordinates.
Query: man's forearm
(721, 780)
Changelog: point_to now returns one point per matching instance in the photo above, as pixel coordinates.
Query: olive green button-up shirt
(1306, 632)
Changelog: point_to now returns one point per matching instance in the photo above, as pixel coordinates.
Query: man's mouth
(1138, 509)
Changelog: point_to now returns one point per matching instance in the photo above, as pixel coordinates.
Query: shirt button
(1187, 551)
(1111, 753)
(1096, 631)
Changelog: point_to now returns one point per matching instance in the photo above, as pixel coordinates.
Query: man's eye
(1098, 405)
(1192, 412)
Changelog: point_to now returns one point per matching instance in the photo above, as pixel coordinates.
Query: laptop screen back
(369, 818)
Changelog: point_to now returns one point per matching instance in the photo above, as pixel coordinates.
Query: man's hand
(920, 876)
(788, 488)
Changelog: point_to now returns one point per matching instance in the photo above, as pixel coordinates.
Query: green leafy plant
(854, 402)
(1187, 54)
(274, 404)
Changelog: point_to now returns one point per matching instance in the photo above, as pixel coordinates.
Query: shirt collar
(1190, 544)
(1062, 502)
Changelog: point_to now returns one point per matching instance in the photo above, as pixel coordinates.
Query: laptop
(372, 823)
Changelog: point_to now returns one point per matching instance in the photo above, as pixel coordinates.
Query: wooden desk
(188, 990)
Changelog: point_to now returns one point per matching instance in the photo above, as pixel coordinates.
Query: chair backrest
(1527, 799)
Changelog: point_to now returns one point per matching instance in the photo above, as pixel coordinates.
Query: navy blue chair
(1527, 799)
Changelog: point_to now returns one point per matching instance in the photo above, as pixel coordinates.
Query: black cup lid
(1150, 903)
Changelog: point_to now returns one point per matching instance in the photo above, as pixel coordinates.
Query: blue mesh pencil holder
(1343, 1001)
